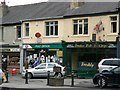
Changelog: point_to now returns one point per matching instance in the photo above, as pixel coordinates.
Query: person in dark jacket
(31, 63)
(4, 64)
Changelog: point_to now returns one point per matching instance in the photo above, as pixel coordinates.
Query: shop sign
(35, 46)
(91, 45)
(15, 50)
(87, 65)
(4, 50)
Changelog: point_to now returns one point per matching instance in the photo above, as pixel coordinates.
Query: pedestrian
(42, 58)
(37, 62)
(32, 63)
(26, 63)
(4, 77)
(4, 64)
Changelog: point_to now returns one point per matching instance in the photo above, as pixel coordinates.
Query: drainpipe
(119, 16)
(118, 37)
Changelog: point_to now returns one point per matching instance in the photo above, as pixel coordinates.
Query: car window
(51, 65)
(116, 70)
(116, 62)
(111, 62)
(41, 66)
(107, 62)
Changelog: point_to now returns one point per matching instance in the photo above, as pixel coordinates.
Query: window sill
(80, 35)
(112, 34)
(26, 37)
(50, 36)
(18, 39)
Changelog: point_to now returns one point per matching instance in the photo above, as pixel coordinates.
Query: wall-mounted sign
(99, 27)
(37, 35)
(38, 40)
(36, 46)
(87, 65)
(91, 45)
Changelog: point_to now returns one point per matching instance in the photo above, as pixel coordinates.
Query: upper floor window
(52, 28)
(26, 29)
(80, 26)
(113, 21)
(18, 31)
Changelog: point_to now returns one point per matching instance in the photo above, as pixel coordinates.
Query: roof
(89, 8)
(50, 10)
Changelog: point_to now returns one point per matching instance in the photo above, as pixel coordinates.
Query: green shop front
(80, 57)
(48, 50)
(83, 57)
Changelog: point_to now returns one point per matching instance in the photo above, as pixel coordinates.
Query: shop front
(83, 57)
(80, 57)
(46, 53)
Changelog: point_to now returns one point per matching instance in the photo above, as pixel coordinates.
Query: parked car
(108, 64)
(111, 77)
(42, 70)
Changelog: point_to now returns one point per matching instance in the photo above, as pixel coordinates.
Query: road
(16, 83)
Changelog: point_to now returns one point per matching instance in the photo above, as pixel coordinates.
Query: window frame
(112, 22)
(50, 64)
(51, 28)
(79, 26)
(18, 32)
(27, 29)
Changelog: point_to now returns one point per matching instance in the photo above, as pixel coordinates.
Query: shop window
(80, 27)
(52, 28)
(18, 31)
(113, 22)
(26, 29)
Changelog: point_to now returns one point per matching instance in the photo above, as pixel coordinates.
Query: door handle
(110, 67)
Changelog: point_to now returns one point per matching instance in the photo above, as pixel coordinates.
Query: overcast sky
(22, 2)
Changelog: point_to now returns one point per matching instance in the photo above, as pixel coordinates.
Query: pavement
(16, 81)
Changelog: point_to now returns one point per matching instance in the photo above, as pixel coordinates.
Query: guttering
(44, 18)
(92, 14)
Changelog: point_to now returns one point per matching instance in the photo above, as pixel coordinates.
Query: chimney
(3, 9)
(76, 4)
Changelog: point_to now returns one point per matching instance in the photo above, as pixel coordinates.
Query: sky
(22, 2)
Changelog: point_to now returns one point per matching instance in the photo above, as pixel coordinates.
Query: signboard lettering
(91, 45)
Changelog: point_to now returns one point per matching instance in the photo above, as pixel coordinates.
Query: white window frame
(27, 28)
(111, 25)
(78, 25)
(20, 31)
(51, 24)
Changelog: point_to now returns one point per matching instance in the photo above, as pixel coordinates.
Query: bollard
(48, 78)
(72, 79)
(7, 75)
(26, 77)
